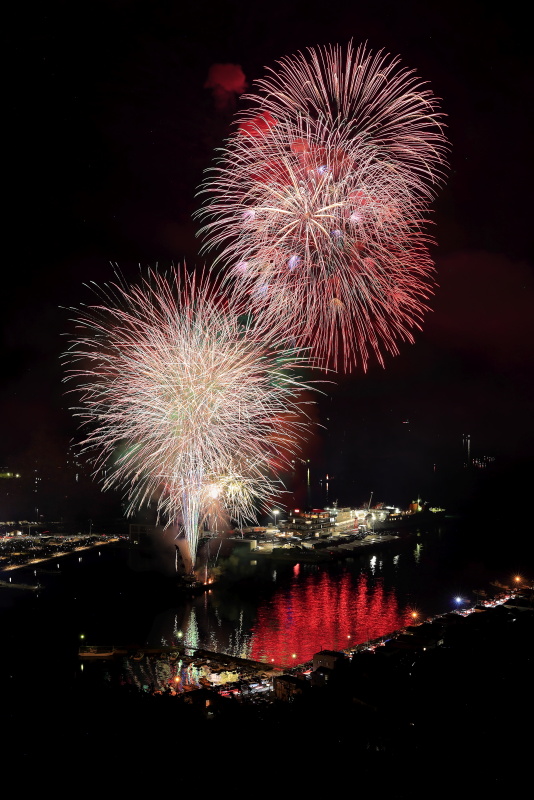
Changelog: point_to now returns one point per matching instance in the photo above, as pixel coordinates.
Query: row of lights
(414, 614)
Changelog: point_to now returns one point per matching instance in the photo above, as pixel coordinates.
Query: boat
(187, 583)
(88, 651)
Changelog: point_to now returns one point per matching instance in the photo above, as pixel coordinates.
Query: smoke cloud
(226, 81)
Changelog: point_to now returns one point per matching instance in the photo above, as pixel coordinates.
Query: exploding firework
(319, 203)
(184, 402)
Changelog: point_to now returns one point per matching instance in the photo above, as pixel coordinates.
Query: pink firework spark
(183, 403)
(319, 203)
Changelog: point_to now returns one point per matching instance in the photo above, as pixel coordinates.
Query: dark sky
(107, 131)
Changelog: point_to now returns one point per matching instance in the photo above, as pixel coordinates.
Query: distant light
(458, 600)
(294, 655)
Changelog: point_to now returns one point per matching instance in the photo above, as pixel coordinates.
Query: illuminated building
(309, 523)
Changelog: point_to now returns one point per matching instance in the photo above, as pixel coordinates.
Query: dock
(28, 586)
(104, 652)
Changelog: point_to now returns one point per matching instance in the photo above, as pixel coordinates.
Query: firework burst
(183, 402)
(319, 203)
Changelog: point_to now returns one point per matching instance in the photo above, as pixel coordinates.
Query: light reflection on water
(321, 611)
(271, 613)
(156, 673)
(267, 611)
(312, 609)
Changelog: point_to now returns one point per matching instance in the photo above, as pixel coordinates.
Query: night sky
(109, 128)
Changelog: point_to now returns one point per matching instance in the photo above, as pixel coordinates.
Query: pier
(174, 653)
(27, 586)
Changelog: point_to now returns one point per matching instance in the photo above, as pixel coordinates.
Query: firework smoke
(226, 81)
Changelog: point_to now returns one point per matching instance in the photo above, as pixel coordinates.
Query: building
(309, 523)
(328, 658)
(287, 687)
(344, 518)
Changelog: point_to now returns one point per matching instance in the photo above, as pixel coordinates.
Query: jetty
(28, 586)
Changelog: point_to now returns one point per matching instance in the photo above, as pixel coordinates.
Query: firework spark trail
(183, 403)
(319, 204)
(381, 105)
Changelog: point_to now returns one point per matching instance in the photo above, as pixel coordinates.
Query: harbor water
(259, 607)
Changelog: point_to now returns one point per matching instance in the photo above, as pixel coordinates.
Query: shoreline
(332, 552)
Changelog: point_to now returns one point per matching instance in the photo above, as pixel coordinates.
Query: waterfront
(262, 608)
(283, 611)
(113, 709)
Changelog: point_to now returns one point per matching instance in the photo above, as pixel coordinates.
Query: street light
(275, 513)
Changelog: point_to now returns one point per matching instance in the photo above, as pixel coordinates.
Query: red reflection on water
(320, 611)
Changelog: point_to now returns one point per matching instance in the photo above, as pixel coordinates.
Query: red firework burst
(319, 202)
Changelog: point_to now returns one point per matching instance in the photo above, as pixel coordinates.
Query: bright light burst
(184, 401)
(318, 204)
